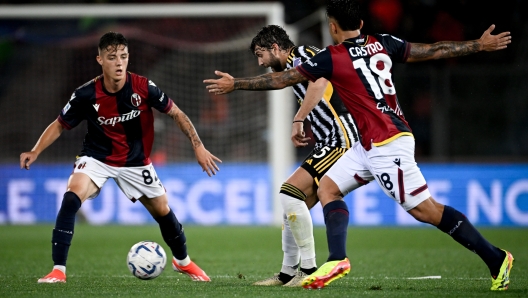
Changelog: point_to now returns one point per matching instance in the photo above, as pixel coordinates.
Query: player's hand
(27, 158)
(223, 85)
(490, 42)
(206, 160)
(298, 136)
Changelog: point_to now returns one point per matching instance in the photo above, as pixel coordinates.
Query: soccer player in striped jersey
(117, 106)
(359, 67)
(334, 131)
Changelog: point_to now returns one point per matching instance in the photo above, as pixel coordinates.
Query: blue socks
(456, 225)
(172, 232)
(63, 231)
(336, 219)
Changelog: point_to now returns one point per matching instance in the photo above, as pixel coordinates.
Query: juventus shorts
(134, 182)
(318, 162)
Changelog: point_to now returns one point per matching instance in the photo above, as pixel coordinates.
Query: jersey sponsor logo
(161, 97)
(385, 109)
(151, 83)
(368, 50)
(122, 118)
(96, 107)
(66, 108)
(135, 99)
(397, 161)
(72, 97)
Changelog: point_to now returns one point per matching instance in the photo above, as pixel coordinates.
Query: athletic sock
(285, 278)
(64, 226)
(300, 223)
(309, 271)
(336, 219)
(173, 234)
(290, 249)
(456, 225)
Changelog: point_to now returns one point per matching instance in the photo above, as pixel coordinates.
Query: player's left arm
(449, 49)
(269, 81)
(203, 156)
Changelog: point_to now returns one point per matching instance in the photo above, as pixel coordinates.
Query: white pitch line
(426, 277)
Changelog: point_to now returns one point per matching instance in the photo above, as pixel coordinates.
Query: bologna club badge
(136, 99)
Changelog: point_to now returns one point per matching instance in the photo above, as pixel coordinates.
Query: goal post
(281, 153)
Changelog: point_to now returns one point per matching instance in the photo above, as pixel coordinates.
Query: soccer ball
(146, 260)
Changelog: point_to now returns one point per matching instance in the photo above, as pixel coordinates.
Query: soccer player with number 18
(359, 67)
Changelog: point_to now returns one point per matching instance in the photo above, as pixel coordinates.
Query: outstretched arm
(269, 81)
(449, 49)
(50, 134)
(313, 96)
(204, 157)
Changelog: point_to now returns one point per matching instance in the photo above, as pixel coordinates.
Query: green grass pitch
(386, 262)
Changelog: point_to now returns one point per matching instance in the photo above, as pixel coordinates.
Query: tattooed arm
(204, 157)
(269, 81)
(449, 49)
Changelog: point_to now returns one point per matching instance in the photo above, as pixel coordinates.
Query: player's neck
(344, 35)
(113, 86)
(284, 58)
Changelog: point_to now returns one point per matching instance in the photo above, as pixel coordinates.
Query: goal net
(49, 50)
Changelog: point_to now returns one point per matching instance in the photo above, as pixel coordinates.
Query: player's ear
(276, 49)
(99, 60)
(360, 24)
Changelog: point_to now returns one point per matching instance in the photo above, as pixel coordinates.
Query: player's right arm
(269, 81)
(50, 134)
(449, 49)
(313, 96)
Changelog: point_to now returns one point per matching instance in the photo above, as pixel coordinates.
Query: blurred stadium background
(468, 114)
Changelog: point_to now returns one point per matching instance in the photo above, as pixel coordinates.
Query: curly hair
(347, 13)
(112, 39)
(269, 35)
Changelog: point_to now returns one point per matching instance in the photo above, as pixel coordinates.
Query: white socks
(290, 260)
(61, 268)
(183, 262)
(299, 222)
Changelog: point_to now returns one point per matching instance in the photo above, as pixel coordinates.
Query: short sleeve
(317, 67)
(73, 113)
(158, 99)
(398, 49)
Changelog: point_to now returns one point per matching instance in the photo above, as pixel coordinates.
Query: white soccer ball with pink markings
(146, 260)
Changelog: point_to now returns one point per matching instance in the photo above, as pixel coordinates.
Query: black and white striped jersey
(331, 123)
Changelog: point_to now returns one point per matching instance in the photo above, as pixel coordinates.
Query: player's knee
(328, 192)
(70, 202)
(428, 212)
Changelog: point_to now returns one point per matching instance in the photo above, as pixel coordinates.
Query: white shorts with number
(393, 167)
(135, 182)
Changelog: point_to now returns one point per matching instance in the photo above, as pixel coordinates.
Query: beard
(275, 64)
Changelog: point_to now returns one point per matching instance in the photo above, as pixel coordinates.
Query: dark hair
(269, 35)
(112, 39)
(347, 13)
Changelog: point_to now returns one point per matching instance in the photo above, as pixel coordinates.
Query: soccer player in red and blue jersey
(117, 106)
(360, 69)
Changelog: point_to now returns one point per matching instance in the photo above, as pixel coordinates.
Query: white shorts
(392, 165)
(134, 182)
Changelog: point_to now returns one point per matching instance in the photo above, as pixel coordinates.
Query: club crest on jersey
(135, 99)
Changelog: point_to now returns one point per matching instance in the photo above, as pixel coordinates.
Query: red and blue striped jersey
(360, 70)
(120, 125)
